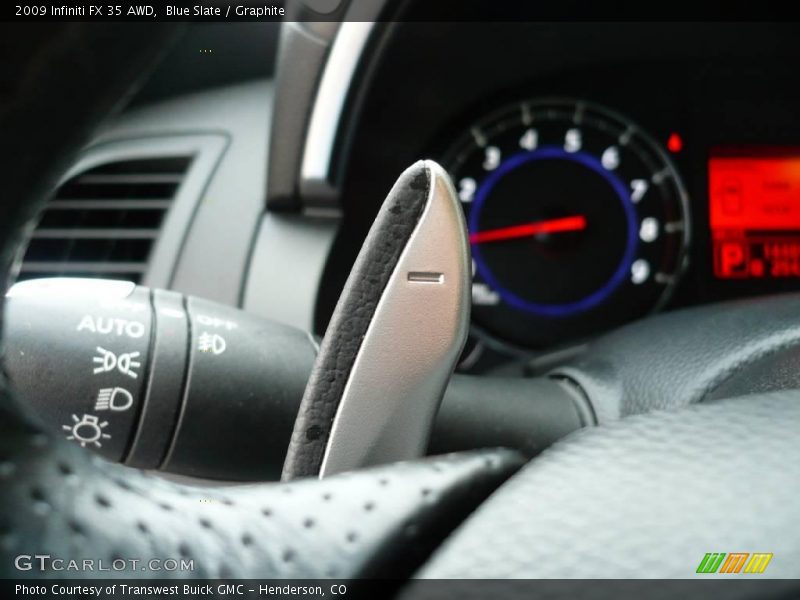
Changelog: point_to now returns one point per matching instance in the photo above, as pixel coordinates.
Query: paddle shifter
(394, 337)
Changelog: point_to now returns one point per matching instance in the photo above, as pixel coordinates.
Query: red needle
(576, 223)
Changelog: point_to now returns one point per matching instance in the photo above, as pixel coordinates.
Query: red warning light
(674, 143)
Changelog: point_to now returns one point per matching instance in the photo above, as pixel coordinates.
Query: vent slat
(104, 222)
(55, 218)
(163, 164)
(129, 179)
(81, 191)
(142, 204)
(97, 234)
(87, 267)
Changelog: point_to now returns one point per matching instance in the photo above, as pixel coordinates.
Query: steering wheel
(647, 495)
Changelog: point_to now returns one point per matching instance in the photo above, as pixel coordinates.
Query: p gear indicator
(754, 207)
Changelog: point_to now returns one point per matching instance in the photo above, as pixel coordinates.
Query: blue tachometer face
(577, 221)
(544, 226)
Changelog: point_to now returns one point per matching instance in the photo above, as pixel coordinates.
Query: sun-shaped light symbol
(87, 430)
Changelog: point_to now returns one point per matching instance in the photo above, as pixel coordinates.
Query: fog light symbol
(116, 399)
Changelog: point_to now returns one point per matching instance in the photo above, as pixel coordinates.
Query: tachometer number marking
(492, 158)
(648, 230)
(640, 271)
(573, 140)
(529, 140)
(639, 188)
(466, 189)
(483, 295)
(610, 158)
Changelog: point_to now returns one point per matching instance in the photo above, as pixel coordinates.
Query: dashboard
(607, 171)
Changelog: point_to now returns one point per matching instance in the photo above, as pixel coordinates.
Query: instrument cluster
(581, 219)
(606, 171)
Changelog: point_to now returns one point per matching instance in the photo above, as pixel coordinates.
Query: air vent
(104, 221)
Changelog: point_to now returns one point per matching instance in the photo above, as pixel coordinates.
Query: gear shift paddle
(394, 338)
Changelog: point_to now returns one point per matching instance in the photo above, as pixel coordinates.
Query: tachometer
(577, 220)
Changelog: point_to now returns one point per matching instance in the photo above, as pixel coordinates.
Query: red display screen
(755, 214)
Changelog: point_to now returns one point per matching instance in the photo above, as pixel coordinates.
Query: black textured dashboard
(714, 85)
